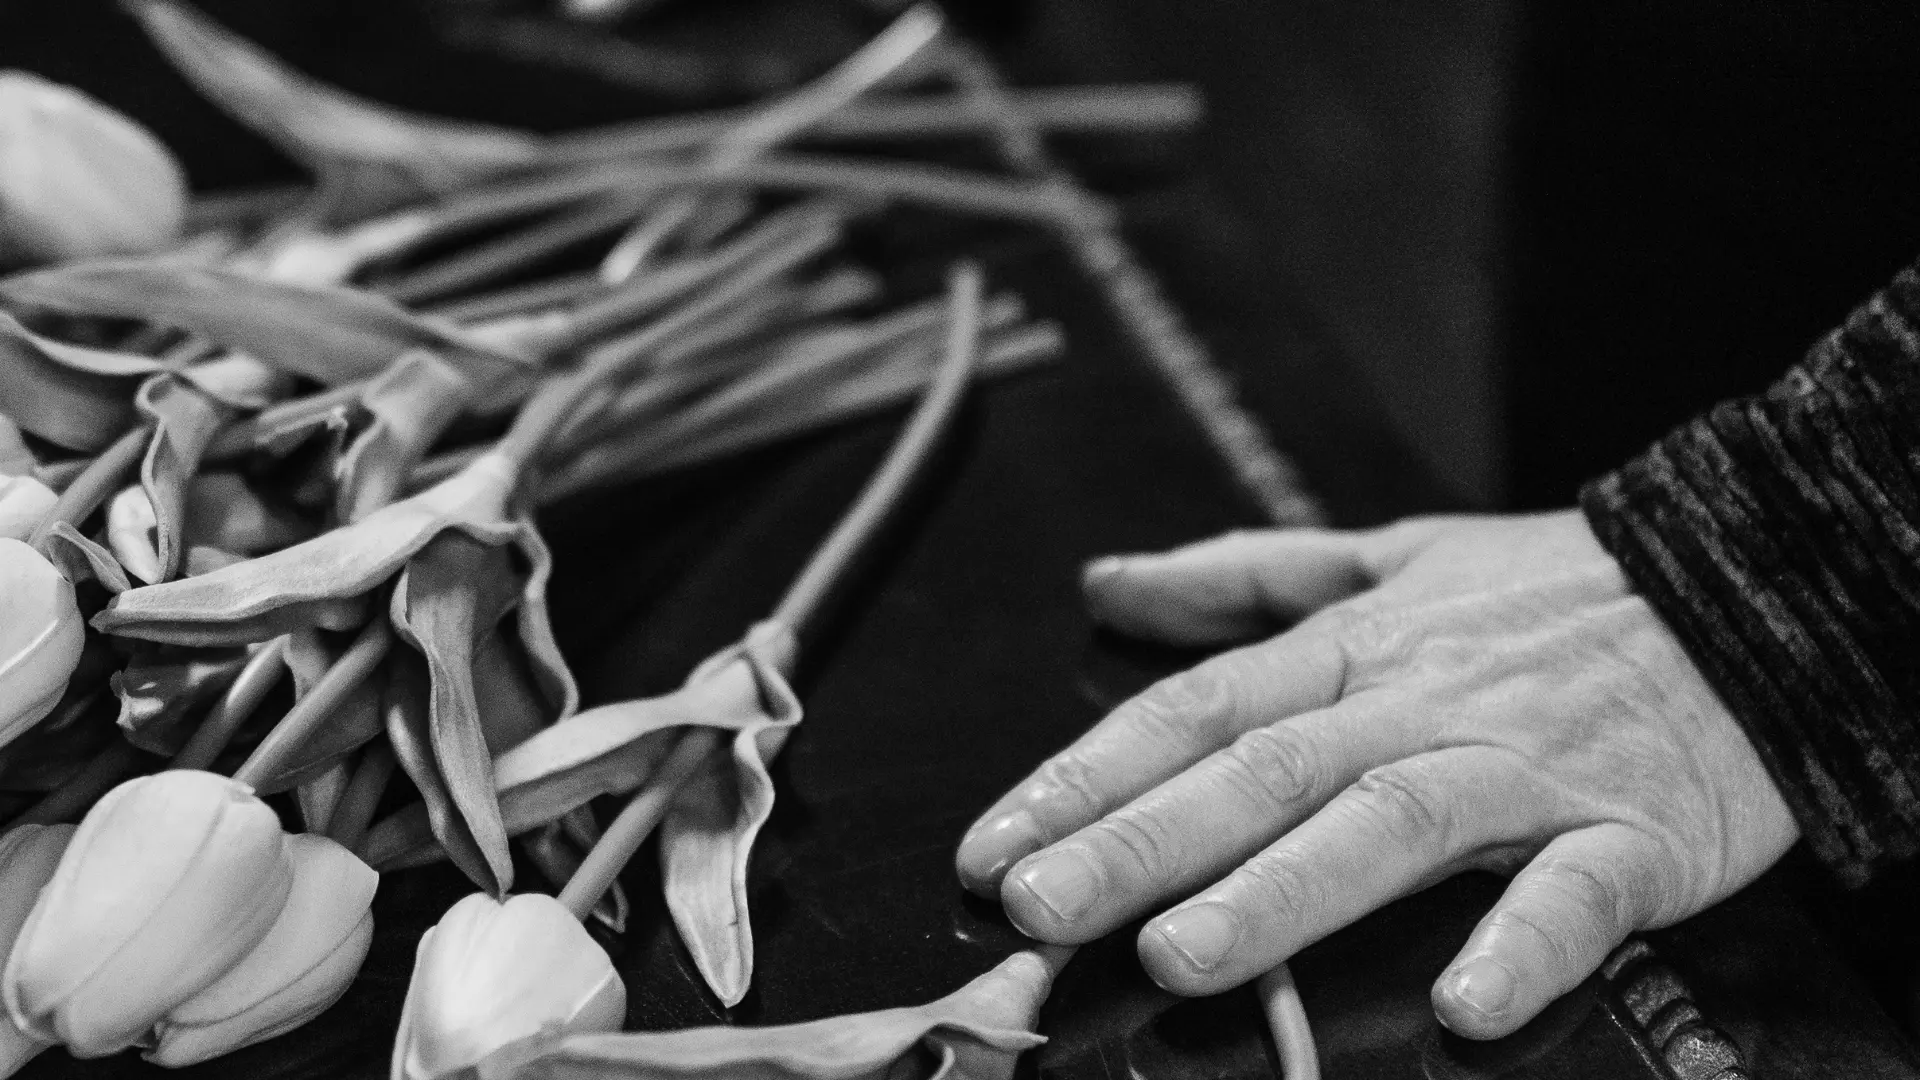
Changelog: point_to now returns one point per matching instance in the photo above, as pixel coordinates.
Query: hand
(1462, 693)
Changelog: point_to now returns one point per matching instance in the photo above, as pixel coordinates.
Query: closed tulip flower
(78, 179)
(40, 637)
(491, 973)
(23, 502)
(297, 971)
(170, 881)
(28, 856)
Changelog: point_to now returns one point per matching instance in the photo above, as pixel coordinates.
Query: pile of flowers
(268, 475)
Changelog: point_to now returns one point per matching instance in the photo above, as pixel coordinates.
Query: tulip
(170, 881)
(491, 974)
(23, 502)
(78, 179)
(297, 971)
(41, 635)
(28, 856)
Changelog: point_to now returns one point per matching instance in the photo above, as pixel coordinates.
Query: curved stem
(362, 797)
(256, 680)
(82, 789)
(636, 822)
(904, 462)
(293, 731)
(95, 483)
(910, 452)
(1287, 1018)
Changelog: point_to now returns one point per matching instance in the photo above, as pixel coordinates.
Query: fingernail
(1065, 882)
(1102, 568)
(1484, 985)
(1203, 933)
(993, 845)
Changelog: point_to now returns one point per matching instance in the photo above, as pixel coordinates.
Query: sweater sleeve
(1779, 536)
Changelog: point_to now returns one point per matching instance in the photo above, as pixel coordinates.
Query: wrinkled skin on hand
(1459, 693)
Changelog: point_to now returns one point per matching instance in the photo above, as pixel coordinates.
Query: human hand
(1462, 693)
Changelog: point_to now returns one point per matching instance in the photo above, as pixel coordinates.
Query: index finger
(1151, 739)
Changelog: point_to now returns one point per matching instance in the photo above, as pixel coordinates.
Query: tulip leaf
(330, 335)
(322, 582)
(74, 397)
(708, 835)
(412, 403)
(164, 687)
(80, 559)
(318, 795)
(185, 419)
(448, 598)
(976, 1033)
(609, 750)
(406, 713)
(331, 131)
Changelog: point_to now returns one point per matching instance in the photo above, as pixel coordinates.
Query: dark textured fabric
(1780, 536)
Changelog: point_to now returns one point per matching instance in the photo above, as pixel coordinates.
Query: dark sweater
(1779, 535)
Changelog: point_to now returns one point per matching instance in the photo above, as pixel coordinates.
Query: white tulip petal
(41, 634)
(167, 884)
(492, 973)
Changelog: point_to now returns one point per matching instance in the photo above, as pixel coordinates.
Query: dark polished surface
(962, 657)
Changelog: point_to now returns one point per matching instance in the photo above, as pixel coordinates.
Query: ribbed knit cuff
(1779, 536)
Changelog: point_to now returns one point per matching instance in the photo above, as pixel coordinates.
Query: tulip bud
(78, 179)
(490, 974)
(28, 856)
(169, 882)
(297, 971)
(41, 634)
(23, 502)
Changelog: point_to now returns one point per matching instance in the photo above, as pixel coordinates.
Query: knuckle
(1176, 708)
(1406, 807)
(1067, 777)
(1273, 767)
(1278, 887)
(1591, 905)
(1141, 840)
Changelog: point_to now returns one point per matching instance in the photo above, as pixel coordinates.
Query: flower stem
(904, 462)
(256, 680)
(1287, 1019)
(98, 480)
(779, 121)
(291, 734)
(636, 822)
(1148, 109)
(516, 251)
(829, 564)
(554, 404)
(362, 797)
(520, 299)
(82, 789)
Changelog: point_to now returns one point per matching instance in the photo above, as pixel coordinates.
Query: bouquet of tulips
(300, 438)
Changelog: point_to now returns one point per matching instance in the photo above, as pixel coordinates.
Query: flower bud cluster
(179, 918)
